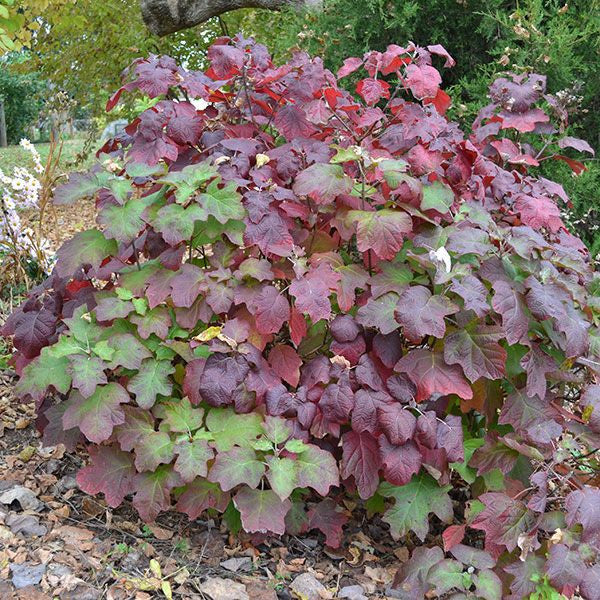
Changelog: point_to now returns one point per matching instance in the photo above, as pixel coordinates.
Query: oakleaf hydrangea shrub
(297, 293)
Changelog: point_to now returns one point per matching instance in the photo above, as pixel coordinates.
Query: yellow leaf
(165, 586)
(155, 568)
(208, 334)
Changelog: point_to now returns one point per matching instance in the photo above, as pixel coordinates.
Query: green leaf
(123, 223)
(282, 475)
(129, 352)
(469, 474)
(317, 469)
(276, 429)
(438, 197)
(488, 585)
(66, 346)
(179, 416)
(152, 450)
(222, 203)
(394, 171)
(189, 179)
(151, 380)
(176, 223)
(192, 459)
(414, 501)
(446, 575)
(84, 248)
(230, 429)
(45, 371)
(83, 327)
(236, 466)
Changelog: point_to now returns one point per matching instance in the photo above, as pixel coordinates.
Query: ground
(56, 542)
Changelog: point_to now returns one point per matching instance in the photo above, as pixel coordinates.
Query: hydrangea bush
(299, 293)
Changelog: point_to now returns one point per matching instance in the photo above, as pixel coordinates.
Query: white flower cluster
(21, 190)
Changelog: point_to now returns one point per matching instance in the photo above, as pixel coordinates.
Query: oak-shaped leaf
(523, 572)
(192, 459)
(432, 375)
(400, 462)
(372, 90)
(110, 472)
(396, 422)
(128, 351)
(176, 223)
(503, 520)
(533, 417)
(189, 179)
(236, 466)
(420, 313)
(229, 428)
(382, 231)
(537, 364)
(361, 459)
(565, 568)
(178, 415)
(261, 511)
(282, 475)
(329, 518)
(97, 415)
(322, 182)
(87, 373)
(153, 491)
(270, 309)
(85, 248)
(312, 297)
(42, 373)
(477, 352)
(153, 449)
(79, 185)
(151, 380)
(156, 321)
(138, 424)
(422, 80)
(413, 504)
(317, 469)
(583, 506)
(380, 313)
(222, 203)
(123, 223)
(199, 495)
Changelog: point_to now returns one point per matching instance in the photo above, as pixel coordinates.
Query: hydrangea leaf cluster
(296, 292)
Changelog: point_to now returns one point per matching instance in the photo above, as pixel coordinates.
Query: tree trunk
(3, 141)
(167, 16)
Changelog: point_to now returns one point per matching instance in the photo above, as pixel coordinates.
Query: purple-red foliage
(297, 289)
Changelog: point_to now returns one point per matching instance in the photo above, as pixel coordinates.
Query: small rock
(218, 588)
(26, 574)
(66, 483)
(24, 496)
(308, 587)
(237, 564)
(352, 592)
(27, 525)
(52, 466)
(59, 570)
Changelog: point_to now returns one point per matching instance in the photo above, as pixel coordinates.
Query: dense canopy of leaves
(298, 292)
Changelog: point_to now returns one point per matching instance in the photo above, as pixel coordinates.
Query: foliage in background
(23, 97)
(299, 294)
(80, 46)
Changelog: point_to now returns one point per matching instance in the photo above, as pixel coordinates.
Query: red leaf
(286, 363)
(297, 326)
(361, 460)
(328, 518)
(422, 80)
(350, 65)
(373, 90)
(430, 373)
(452, 536)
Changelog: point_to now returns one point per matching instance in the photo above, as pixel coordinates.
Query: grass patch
(15, 156)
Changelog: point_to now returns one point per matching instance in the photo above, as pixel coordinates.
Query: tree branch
(167, 16)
